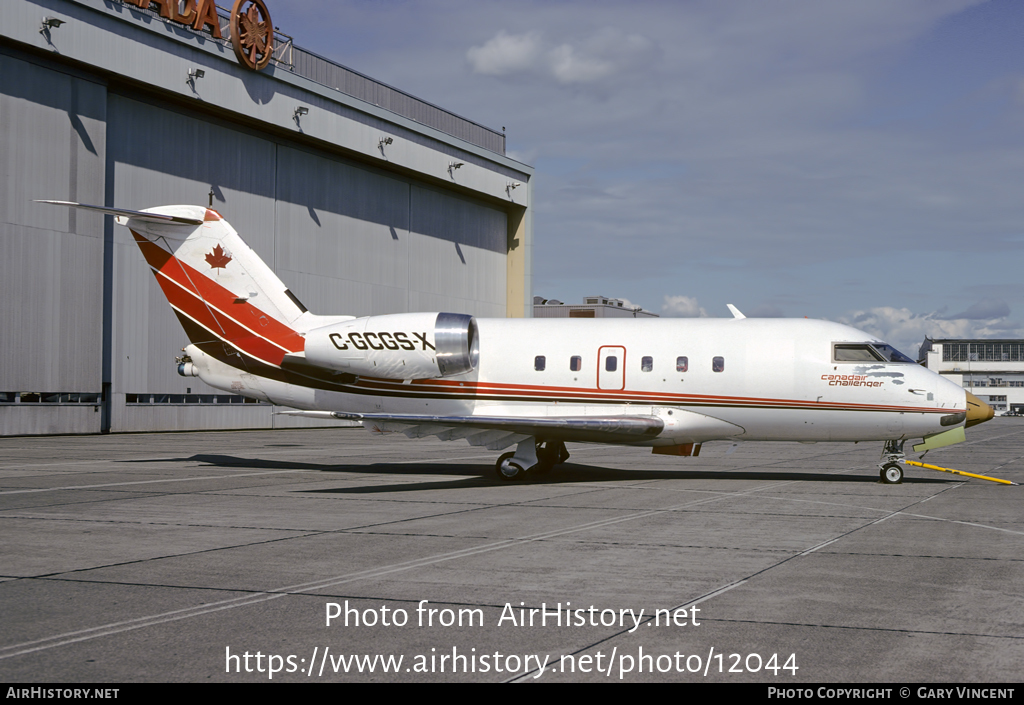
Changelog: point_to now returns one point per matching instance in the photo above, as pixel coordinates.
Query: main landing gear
(889, 469)
(531, 457)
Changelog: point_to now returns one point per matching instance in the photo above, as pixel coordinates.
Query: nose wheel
(891, 474)
(890, 470)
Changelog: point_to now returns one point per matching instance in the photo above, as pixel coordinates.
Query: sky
(861, 162)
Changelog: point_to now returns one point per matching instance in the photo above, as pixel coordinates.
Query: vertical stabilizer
(220, 289)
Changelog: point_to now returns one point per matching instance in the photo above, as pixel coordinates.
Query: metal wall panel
(38, 419)
(449, 217)
(455, 278)
(185, 417)
(51, 290)
(337, 220)
(345, 244)
(160, 156)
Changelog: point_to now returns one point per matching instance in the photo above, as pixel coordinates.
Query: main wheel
(550, 454)
(508, 470)
(891, 474)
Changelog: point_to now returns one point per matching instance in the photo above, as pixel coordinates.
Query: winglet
(735, 312)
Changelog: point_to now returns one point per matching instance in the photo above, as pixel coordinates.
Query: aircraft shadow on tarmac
(483, 475)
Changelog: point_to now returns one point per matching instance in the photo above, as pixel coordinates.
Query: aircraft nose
(977, 411)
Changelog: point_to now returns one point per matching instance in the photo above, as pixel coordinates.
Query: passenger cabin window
(611, 363)
(575, 363)
(646, 363)
(718, 364)
(682, 364)
(539, 363)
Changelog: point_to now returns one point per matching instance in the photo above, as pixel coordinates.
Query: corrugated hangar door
(52, 146)
(160, 155)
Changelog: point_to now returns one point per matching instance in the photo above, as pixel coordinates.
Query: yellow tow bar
(959, 472)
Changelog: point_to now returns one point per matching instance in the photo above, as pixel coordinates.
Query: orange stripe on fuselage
(246, 327)
(440, 388)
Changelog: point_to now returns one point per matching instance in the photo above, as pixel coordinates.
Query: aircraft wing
(498, 432)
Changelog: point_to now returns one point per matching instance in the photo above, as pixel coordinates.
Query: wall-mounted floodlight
(299, 112)
(194, 74)
(50, 23)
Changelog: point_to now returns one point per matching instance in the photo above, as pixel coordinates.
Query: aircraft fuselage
(748, 379)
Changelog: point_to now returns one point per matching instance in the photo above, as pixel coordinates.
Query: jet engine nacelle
(397, 346)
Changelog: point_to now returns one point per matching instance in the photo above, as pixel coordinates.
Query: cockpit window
(855, 353)
(890, 353)
(867, 352)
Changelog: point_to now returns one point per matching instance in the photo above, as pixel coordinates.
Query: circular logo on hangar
(252, 33)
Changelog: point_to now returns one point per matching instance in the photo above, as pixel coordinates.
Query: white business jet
(669, 384)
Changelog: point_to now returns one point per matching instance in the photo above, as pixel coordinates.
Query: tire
(891, 474)
(507, 470)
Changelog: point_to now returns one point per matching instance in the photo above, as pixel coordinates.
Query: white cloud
(569, 67)
(907, 330)
(506, 53)
(682, 307)
(603, 54)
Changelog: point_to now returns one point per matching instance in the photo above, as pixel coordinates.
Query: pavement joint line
(148, 482)
(696, 601)
(965, 523)
(893, 630)
(267, 595)
(820, 545)
(107, 461)
(767, 568)
(1008, 462)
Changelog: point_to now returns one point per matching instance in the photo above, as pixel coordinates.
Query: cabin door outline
(612, 380)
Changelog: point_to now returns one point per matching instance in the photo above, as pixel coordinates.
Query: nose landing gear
(889, 469)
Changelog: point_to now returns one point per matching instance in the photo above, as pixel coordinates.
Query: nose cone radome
(977, 411)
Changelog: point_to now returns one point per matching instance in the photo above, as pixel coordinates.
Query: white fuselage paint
(779, 381)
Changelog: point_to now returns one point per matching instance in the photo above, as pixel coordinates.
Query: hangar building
(364, 199)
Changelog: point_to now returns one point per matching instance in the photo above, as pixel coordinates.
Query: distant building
(592, 307)
(992, 370)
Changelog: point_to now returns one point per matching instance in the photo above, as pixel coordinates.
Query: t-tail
(240, 318)
(228, 300)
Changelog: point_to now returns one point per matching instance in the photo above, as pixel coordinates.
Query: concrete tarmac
(211, 557)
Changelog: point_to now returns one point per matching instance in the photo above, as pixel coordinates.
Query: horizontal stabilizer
(124, 213)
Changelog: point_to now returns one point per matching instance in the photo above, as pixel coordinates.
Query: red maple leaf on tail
(217, 259)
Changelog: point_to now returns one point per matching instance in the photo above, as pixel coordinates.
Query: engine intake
(397, 346)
